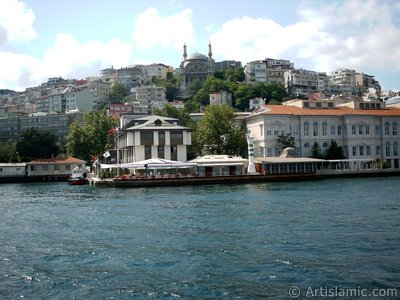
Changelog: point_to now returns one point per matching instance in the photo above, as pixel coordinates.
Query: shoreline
(233, 179)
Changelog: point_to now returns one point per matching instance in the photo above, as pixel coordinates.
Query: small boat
(77, 179)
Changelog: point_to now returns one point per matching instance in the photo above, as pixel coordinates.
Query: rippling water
(248, 241)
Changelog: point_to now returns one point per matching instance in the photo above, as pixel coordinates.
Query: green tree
(171, 83)
(118, 93)
(285, 141)
(217, 132)
(211, 85)
(93, 138)
(194, 87)
(243, 93)
(79, 142)
(334, 151)
(316, 151)
(8, 152)
(36, 144)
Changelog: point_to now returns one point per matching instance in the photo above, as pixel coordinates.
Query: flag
(107, 154)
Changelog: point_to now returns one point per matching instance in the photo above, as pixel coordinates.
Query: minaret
(184, 52)
(210, 62)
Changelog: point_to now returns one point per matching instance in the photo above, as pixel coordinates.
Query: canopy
(153, 163)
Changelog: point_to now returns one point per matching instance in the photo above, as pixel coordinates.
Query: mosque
(195, 66)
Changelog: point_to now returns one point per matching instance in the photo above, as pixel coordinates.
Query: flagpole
(118, 151)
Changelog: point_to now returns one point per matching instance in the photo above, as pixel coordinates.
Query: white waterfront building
(146, 137)
(365, 130)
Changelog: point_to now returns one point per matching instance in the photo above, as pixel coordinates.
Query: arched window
(394, 128)
(315, 129)
(306, 129)
(324, 128)
(387, 128)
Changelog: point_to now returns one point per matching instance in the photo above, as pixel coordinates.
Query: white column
(250, 139)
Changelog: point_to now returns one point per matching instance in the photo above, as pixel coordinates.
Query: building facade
(58, 124)
(364, 132)
(152, 136)
(300, 82)
(195, 66)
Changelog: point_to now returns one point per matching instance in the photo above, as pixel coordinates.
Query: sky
(40, 39)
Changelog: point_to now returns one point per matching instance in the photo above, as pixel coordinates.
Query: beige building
(60, 167)
(221, 97)
(364, 130)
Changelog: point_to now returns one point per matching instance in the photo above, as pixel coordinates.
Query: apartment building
(301, 82)
(58, 124)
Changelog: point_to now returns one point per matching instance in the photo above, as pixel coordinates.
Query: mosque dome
(196, 56)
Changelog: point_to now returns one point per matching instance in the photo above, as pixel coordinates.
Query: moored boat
(77, 179)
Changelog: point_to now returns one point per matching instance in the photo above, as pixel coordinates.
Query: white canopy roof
(153, 163)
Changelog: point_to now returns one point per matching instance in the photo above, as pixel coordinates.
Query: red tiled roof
(338, 111)
(68, 160)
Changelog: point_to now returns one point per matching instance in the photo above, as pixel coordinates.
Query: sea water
(245, 241)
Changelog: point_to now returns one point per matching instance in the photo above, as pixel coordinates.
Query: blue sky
(76, 39)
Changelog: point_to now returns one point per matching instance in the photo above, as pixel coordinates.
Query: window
(368, 149)
(295, 130)
(361, 150)
(353, 129)
(387, 128)
(325, 145)
(147, 152)
(360, 129)
(146, 138)
(68, 167)
(277, 151)
(306, 129)
(276, 132)
(161, 138)
(394, 128)
(377, 130)
(315, 129)
(177, 137)
(333, 129)
(324, 128)
(269, 152)
(339, 130)
(306, 145)
(354, 150)
(268, 132)
(378, 150)
(174, 153)
(160, 152)
(367, 129)
(387, 148)
(56, 167)
(395, 150)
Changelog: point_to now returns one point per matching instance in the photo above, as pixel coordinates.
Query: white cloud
(16, 22)
(152, 30)
(358, 34)
(67, 58)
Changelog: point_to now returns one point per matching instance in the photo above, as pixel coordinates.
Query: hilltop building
(195, 66)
